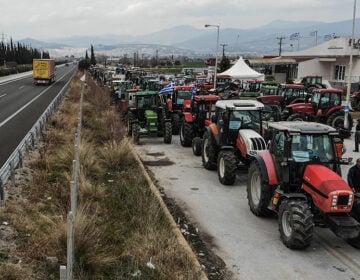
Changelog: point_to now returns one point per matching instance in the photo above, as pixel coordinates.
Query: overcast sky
(46, 20)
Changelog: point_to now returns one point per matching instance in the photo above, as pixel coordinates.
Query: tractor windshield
(146, 101)
(245, 120)
(183, 95)
(306, 147)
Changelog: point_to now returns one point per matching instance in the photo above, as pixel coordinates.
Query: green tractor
(147, 118)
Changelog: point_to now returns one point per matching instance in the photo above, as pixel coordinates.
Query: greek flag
(169, 88)
(295, 36)
(328, 37)
(194, 90)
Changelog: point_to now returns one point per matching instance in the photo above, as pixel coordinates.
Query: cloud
(49, 19)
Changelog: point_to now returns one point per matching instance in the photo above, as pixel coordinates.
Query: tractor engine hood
(330, 193)
(149, 114)
(249, 142)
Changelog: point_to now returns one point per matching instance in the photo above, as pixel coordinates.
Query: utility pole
(280, 43)
(223, 46)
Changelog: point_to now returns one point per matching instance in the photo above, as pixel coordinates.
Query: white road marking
(21, 87)
(3, 95)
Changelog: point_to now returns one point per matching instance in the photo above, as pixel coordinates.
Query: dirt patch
(155, 154)
(160, 162)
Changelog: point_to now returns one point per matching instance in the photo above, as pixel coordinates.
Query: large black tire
(136, 133)
(296, 223)
(226, 167)
(295, 117)
(129, 120)
(175, 121)
(209, 152)
(355, 213)
(167, 133)
(186, 133)
(337, 119)
(196, 146)
(258, 192)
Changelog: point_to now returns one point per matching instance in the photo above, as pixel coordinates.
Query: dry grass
(120, 224)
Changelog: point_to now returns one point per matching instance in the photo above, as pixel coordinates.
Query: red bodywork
(214, 129)
(188, 117)
(270, 99)
(270, 167)
(326, 189)
(240, 144)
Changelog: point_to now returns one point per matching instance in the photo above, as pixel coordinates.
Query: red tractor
(312, 82)
(233, 137)
(197, 115)
(298, 178)
(324, 107)
(173, 104)
(286, 94)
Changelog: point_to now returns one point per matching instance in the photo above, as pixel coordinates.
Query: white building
(331, 61)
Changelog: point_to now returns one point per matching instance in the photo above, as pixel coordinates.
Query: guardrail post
(70, 246)
(2, 194)
(73, 197)
(21, 163)
(12, 173)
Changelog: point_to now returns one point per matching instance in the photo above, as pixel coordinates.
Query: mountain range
(192, 42)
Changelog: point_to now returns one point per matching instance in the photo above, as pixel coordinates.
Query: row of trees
(18, 53)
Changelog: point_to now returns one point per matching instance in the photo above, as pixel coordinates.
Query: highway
(250, 246)
(21, 105)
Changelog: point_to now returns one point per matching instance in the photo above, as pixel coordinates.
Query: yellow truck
(43, 71)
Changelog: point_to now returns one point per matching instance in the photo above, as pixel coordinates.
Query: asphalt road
(250, 246)
(21, 105)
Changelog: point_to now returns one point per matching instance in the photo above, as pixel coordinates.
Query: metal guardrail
(16, 158)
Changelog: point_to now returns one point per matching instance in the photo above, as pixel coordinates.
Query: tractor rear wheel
(175, 121)
(186, 133)
(136, 133)
(258, 192)
(337, 120)
(196, 146)
(296, 223)
(227, 166)
(208, 151)
(295, 117)
(167, 133)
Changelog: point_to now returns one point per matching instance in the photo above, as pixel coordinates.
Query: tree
(92, 59)
(86, 55)
(224, 64)
(84, 64)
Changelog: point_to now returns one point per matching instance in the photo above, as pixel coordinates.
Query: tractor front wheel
(258, 192)
(196, 146)
(227, 166)
(296, 223)
(136, 133)
(208, 152)
(175, 121)
(167, 133)
(186, 133)
(129, 123)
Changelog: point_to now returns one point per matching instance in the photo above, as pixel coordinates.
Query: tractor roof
(324, 90)
(147, 92)
(239, 104)
(209, 98)
(302, 127)
(293, 86)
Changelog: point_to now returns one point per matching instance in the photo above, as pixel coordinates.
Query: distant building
(331, 61)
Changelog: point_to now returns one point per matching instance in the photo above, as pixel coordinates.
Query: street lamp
(346, 118)
(217, 49)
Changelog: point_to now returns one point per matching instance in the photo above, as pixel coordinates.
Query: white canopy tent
(241, 71)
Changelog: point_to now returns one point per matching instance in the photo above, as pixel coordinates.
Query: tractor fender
(291, 196)
(267, 167)
(334, 109)
(228, 148)
(188, 117)
(213, 131)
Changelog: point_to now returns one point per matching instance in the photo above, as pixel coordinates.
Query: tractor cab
(324, 100)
